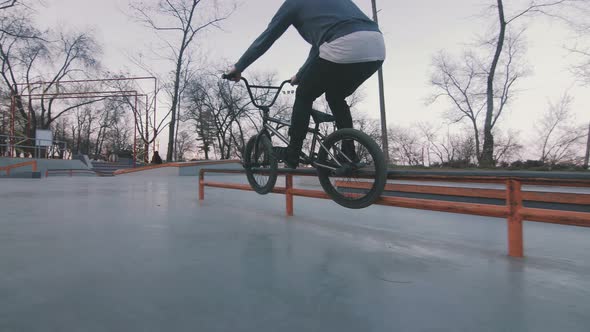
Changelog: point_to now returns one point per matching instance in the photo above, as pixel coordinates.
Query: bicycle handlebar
(250, 87)
(227, 76)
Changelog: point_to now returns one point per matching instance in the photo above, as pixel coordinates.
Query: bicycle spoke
(260, 159)
(349, 183)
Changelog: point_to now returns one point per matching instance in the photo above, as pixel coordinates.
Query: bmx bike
(350, 166)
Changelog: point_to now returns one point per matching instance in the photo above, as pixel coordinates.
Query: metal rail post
(515, 232)
(289, 194)
(201, 185)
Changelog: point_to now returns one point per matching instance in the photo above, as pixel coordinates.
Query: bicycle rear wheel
(260, 164)
(360, 171)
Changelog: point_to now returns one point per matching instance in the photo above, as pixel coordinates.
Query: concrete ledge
(584, 176)
(184, 169)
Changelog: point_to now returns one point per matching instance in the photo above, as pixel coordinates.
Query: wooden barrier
(514, 210)
(8, 168)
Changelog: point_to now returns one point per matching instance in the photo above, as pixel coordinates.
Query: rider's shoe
(280, 152)
(284, 155)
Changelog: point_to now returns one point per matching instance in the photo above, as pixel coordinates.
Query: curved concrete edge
(22, 175)
(43, 165)
(184, 169)
(584, 176)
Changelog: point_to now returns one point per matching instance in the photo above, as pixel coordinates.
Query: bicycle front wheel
(260, 164)
(356, 171)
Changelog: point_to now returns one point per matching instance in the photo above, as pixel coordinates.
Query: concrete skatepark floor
(141, 254)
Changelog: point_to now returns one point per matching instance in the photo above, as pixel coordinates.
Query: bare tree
(113, 112)
(369, 126)
(30, 56)
(203, 120)
(5, 4)
(507, 147)
(97, 130)
(184, 19)
(582, 69)
(18, 39)
(407, 147)
(207, 109)
(223, 113)
(82, 129)
(534, 7)
(187, 76)
(184, 144)
(485, 85)
(447, 147)
(73, 54)
(580, 48)
(560, 139)
(118, 137)
(143, 111)
(465, 85)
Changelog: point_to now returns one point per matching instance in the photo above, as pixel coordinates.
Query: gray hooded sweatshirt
(317, 21)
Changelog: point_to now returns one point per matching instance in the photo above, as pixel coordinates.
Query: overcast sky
(414, 31)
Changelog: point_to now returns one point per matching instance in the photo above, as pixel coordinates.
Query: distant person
(113, 158)
(156, 160)
(347, 48)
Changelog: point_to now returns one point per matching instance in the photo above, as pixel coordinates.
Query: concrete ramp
(150, 172)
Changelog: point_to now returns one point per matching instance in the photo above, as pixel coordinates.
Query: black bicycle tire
(380, 169)
(273, 171)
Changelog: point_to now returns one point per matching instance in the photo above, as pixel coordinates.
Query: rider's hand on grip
(233, 75)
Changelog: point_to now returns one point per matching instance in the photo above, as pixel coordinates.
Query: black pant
(337, 81)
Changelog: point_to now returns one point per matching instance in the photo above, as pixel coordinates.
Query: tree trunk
(587, 159)
(487, 157)
(175, 95)
(206, 149)
(146, 147)
(177, 127)
(477, 142)
(172, 125)
(97, 144)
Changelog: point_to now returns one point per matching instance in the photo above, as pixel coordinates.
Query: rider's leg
(340, 109)
(312, 86)
(349, 78)
(341, 112)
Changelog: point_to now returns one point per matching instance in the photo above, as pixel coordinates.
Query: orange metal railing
(514, 210)
(8, 168)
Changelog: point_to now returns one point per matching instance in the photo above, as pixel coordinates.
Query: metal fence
(514, 209)
(27, 147)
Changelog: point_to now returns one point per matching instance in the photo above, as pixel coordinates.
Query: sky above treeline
(414, 32)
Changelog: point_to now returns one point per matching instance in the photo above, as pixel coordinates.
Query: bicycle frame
(270, 131)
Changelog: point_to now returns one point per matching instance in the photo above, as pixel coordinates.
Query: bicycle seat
(321, 117)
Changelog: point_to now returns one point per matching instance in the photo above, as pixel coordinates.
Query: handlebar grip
(227, 76)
